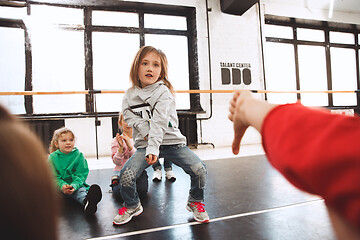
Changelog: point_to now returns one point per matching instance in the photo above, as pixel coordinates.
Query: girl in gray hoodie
(149, 108)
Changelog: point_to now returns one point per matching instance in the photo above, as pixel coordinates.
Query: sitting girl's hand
(127, 141)
(119, 139)
(67, 189)
(151, 159)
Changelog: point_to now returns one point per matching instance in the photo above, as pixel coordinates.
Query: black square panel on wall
(236, 7)
(44, 129)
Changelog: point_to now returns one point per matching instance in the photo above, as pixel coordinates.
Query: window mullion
(28, 74)
(296, 54)
(328, 65)
(141, 28)
(357, 70)
(89, 83)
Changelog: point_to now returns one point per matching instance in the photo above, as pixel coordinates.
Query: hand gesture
(67, 189)
(246, 111)
(127, 141)
(151, 159)
(119, 139)
(237, 116)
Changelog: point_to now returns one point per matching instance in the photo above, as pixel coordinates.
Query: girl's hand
(119, 139)
(151, 159)
(126, 138)
(67, 189)
(127, 141)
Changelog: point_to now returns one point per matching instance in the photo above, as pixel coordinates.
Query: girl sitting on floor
(71, 171)
(122, 148)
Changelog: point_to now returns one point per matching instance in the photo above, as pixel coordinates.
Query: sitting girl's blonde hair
(55, 138)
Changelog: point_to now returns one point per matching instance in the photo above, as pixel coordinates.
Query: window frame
(112, 5)
(327, 27)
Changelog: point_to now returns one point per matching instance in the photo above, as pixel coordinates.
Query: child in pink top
(122, 148)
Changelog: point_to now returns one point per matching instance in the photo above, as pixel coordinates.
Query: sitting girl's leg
(88, 199)
(79, 195)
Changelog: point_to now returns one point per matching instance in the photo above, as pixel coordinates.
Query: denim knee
(199, 170)
(127, 177)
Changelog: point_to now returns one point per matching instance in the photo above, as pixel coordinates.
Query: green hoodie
(71, 168)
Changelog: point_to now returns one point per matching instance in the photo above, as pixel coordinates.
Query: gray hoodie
(151, 112)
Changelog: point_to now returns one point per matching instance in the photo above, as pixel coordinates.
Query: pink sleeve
(318, 152)
(118, 158)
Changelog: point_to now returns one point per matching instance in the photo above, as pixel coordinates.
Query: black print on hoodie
(142, 110)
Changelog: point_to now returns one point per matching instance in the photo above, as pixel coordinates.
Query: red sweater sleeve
(318, 152)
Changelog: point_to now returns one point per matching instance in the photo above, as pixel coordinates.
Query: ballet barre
(27, 93)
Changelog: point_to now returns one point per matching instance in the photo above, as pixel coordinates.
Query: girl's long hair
(134, 70)
(27, 183)
(120, 121)
(55, 138)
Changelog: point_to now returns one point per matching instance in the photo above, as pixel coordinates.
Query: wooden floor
(245, 199)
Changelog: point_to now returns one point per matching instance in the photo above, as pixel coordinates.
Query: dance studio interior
(66, 63)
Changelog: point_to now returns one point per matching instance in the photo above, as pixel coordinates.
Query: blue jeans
(167, 165)
(79, 195)
(178, 154)
(141, 187)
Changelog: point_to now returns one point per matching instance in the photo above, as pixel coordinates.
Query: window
(178, 63)
(282, 75)
(310, 35)
(165, 22)
(12, 67)
(75, 48)
(118, 19)
(311, 56)
(60, 54)
(112, 59)
(312, 75)
(112, 62)
(57, 58)
(343, 73)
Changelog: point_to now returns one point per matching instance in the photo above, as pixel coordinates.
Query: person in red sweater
(316, 151)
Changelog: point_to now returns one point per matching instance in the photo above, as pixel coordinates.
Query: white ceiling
(351, 6)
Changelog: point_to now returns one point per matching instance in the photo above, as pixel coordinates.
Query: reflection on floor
(245, 198)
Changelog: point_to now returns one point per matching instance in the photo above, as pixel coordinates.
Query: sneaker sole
(172, 179)
(156, 180)
(198, 220)
(134, 215)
